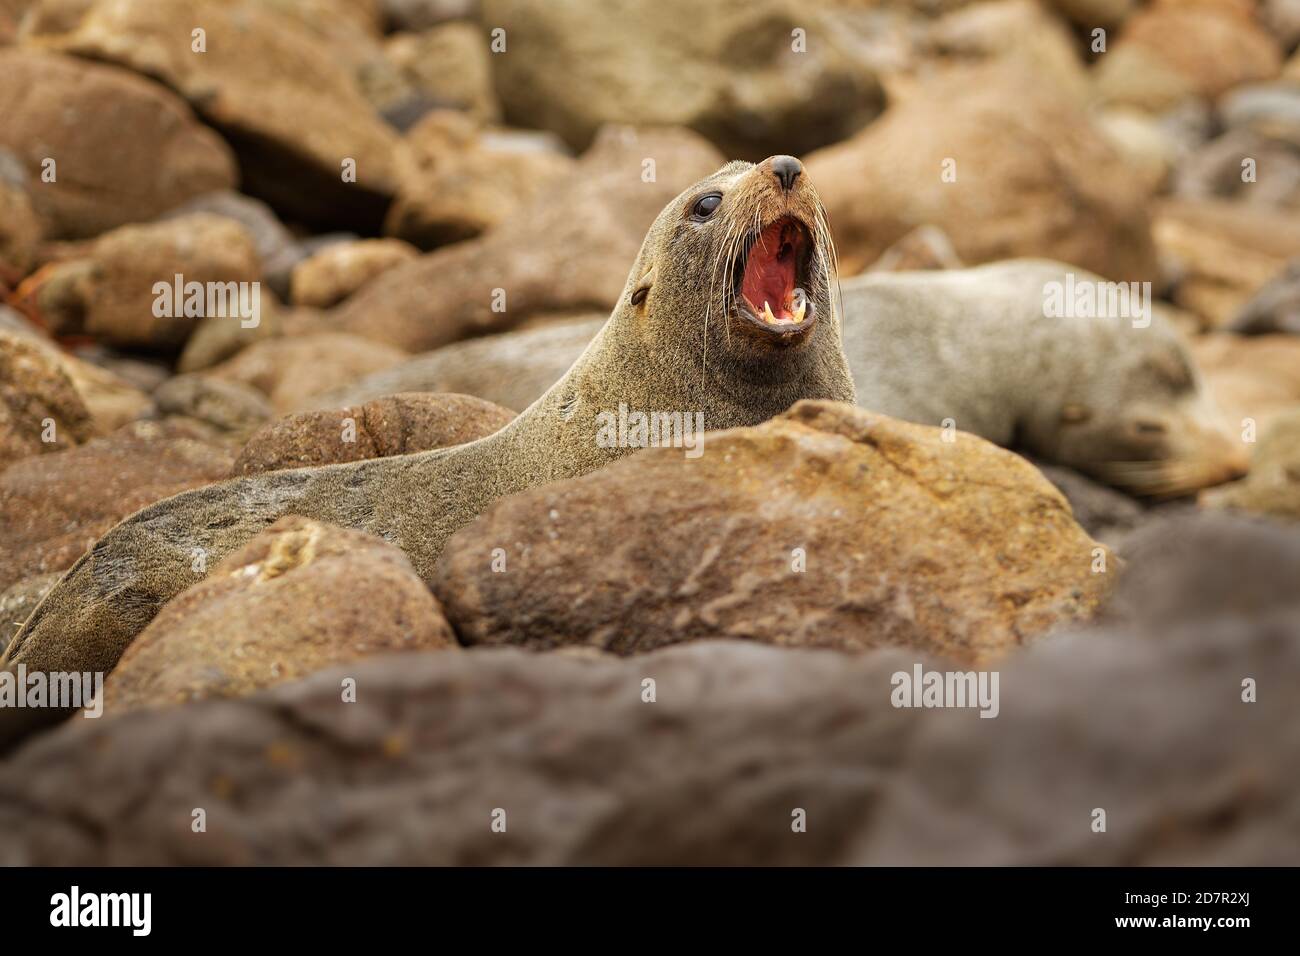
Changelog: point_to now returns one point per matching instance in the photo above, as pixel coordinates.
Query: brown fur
(678, 350)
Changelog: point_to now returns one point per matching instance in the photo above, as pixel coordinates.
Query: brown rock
(591, 774)
(727, 69)
(125, 149)
(40, 408)
(20, 227)
(290, 370)
(512, 369)
(1033, 178)
(544, 257)
(227, 406)
(1273, 486)
(54, 507)
(18, 602)
(393, 425)
(1274, 308)
(300, 597)
(1256, 377)
(337, 271)
(110, 294)
(448, 65)
(462, 180)
(293, 114)
(954, 548)
(925, 247)
(1222, 253)
(1215, 170)
(1174, 49)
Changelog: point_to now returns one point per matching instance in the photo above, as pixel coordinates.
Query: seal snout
(786, 169)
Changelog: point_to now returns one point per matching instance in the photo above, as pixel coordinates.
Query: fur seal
(728, 313)
(1115, 398)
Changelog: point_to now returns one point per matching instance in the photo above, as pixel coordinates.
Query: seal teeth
(767, 313)
(800, 306)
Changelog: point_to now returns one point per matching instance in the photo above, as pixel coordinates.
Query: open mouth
(770, 279)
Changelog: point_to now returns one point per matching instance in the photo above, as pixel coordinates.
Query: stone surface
(546, 258)
(334, 273)
(1254, 378)
(954, 548)
(588, 773)
(20, 227)
(300, 597)
(449, 65)
(277, 250)
(512, 369)
(110, 293)
(277, 93)
(1034, 177)
(1173, 49)
(1105, 513)
(1274, 308)
(54, 507)
(228, 406)
(726, 69)
(124, 148)
(461, 180)
(1273, 486)
(291, 370)
(394, 425)
(41, 410)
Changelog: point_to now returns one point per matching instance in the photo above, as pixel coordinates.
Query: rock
(727, 69)
(111, 400)
(546, 259)
(282, 607)
(124, 149)
(1252, 378)
(925, 247)
(290, 370)
(957, 548)
(1217, 171)
(1273, 486)
(590, 774)
(40, 408)
(450, 66)
(1221, 253)
(111, 293)
(277, 250)
(1274, 308)
(292, 112)
(1283, 20)
(216, 338)
(20, 227)
(1174, 49)
(512, 369)
(227, 406)
(1105, 513)
(18, 602)
(1270, 110)
(394, 425)
(330, 276)
(462, 180)
(1094, 13)
(1146, 145)
(422, 14)
(54, 507)
(1033, 178)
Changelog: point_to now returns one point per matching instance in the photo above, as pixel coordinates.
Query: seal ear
(643, 287)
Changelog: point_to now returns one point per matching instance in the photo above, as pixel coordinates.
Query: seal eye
(705, 206)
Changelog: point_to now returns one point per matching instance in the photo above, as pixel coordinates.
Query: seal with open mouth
(727, 314)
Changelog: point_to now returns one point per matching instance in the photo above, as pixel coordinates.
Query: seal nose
(786, 169)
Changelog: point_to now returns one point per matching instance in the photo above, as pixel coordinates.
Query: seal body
(685, 337)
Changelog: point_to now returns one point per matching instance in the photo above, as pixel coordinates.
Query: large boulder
(54, 507)
(730, 69)
(335, 272)
(40, 407)
(828, 526)
(394, 425)
(544, 259)
(21, 229)
(283, 606)
(1005, 165)
(109, 293)
(448, 65)
(124, 149)
(271, 85)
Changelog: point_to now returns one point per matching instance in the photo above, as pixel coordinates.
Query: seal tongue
(769, 281)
